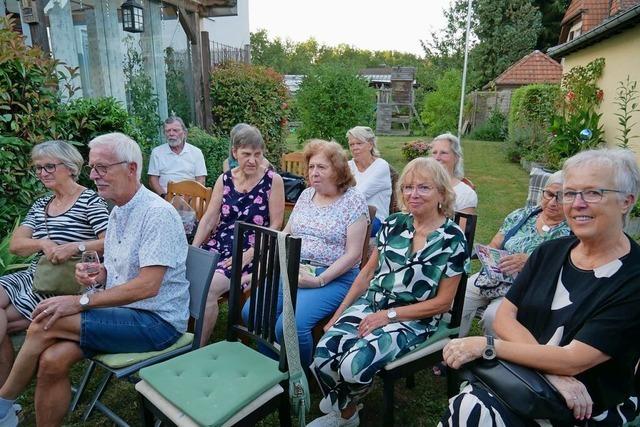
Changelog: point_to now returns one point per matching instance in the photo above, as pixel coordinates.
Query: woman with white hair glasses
(572, 312)
(372, 173)
(63, 223)
(522, 231)
(446, 149)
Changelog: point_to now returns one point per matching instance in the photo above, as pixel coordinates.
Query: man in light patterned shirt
(145, 305)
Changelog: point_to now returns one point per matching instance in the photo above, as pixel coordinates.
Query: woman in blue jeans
(331, 218)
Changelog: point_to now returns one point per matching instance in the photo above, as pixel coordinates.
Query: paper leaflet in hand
(490, 259)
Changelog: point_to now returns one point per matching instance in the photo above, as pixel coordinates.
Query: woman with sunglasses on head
(398, 299)
(522, 231)
(60, 225)
(571, 314)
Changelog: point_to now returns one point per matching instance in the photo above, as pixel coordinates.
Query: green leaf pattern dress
(346, 364)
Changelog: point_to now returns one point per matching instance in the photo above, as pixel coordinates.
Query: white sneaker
(334, 419)
(9, 420)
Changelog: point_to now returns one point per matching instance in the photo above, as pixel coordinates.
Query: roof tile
(536, 67)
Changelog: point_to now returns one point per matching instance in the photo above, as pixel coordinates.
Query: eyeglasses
(589, 196)
(422, 190)
(550, 195)
(102, 170)
(48, 168)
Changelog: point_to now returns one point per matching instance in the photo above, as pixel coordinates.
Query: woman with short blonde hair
(398, 299)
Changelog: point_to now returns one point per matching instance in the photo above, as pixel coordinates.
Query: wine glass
(91, 262)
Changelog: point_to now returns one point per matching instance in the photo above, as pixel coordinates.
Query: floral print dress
(251, 207)
(346, 364)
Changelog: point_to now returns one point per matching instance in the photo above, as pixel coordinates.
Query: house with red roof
(603, 29)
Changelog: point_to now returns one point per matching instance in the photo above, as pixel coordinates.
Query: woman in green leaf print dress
(397, 300)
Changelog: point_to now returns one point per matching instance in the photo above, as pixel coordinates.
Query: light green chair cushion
(213, 383)
(441, 333)
(120, 360)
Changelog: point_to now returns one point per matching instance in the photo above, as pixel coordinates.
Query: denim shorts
(124, 330)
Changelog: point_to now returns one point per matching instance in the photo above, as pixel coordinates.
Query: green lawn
(501, 188)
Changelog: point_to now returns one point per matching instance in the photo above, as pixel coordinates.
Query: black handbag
(294, 185)
(524, 391)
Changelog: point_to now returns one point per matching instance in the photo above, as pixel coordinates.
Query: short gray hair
(622, 164)
(454, 143)
(365, 134)
(173, 119)
(66, 153)
(247, 136)
(125, 148)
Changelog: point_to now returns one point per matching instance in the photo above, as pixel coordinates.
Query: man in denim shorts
(145, 304)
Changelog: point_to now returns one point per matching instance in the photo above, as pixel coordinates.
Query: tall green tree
(552, 13)
(506, 31)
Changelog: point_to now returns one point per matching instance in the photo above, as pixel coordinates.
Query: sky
(366, 24)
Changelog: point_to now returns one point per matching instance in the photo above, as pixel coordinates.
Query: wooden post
(206, 79)
(38, 29)
(190, 22)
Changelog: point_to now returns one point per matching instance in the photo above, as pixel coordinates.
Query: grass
(501, 188)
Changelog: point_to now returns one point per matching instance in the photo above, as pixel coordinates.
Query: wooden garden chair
(229, 383)
(195, 194)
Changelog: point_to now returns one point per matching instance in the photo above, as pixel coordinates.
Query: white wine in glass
(91, 262)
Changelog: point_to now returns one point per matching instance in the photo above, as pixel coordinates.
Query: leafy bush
(414, 149)
(494, 129)
(533, 104)
(580, 99)
(178, 100)
(532, 109)
(29, 98)
(250, 94)
(214, 149)
(440, 109)
(527, 142)
(9, 261)
(141, 98)
(18, 186)
(332, 100)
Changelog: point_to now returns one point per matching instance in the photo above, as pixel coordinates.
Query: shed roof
(536, 67)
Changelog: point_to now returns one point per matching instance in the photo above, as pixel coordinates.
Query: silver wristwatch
(392, 315)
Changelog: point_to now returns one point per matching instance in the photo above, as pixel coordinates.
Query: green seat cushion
(213, 383)
(120, 360)
(441, 333)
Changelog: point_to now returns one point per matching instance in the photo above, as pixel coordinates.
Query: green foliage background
(332, 100)
(214, 149)
(440, 109)
(254, 95)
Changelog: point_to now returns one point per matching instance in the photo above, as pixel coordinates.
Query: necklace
(545, 228)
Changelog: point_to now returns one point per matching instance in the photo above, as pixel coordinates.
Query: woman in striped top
(59, 225)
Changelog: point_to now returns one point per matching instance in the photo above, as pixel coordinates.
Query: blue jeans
(312, 305)
(124, 330)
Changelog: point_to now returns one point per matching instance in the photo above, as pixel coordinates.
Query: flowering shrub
(414, 149)
(576, 112)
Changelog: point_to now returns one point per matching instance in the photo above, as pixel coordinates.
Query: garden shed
(609, 30)
(536, 67)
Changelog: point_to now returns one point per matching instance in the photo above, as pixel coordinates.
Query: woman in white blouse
(372, 174)
(446, 149)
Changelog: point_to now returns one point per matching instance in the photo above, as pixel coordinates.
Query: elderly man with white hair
(177, 160)
(144, 306)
